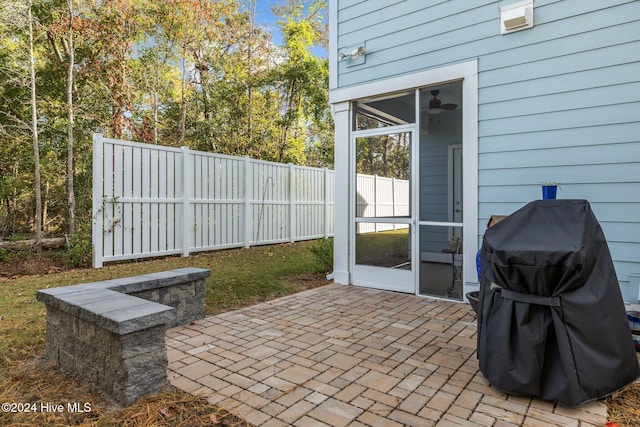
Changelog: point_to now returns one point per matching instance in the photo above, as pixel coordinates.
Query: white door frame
(467, 72)
(453, 180)
(391, 279)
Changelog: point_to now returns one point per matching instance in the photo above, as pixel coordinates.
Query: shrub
(5, 255)
(322, 249)
(79, 248)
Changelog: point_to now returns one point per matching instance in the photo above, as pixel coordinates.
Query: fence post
(292, 208)
(97, 232)
(248, 195)
(393, 201)
(187, 187)
(326, 202)
(375, 201)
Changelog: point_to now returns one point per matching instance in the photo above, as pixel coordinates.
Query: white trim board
(333, 44)
(395, 84)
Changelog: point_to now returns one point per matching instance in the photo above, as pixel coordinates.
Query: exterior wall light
(516, 17)
(353, 55)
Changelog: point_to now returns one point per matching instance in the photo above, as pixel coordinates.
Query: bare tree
(183, 102)
(34, 134)
(70, 174)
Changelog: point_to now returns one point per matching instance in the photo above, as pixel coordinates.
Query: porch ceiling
(344, 355)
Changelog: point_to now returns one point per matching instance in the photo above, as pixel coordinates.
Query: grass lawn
(383, 248)
(239, 277)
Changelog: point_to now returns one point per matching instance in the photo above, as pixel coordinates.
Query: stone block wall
(187, 298)
(111, 334)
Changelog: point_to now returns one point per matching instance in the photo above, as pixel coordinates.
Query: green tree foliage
(385, 155)
(200, 73)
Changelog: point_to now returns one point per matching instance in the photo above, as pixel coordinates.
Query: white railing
(150, 200)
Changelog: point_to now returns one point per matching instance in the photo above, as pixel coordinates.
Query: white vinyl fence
(150, 200)
(378, 196)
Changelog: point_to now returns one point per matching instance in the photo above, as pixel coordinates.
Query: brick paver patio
(350, 356)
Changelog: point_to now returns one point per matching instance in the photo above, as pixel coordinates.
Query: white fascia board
(333, 44)
(410, 81)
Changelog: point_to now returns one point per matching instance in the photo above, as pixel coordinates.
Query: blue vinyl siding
(434, 185)
(557, 102)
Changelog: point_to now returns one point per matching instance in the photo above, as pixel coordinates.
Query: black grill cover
(552, 323)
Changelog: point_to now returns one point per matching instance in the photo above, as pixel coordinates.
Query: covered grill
(551, 320)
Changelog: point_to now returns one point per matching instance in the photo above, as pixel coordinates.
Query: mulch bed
(624, 406)
(39, 383)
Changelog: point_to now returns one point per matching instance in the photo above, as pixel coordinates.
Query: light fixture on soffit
(436, 106)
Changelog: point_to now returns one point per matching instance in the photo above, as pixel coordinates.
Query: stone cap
(128, 285)
(107, 304)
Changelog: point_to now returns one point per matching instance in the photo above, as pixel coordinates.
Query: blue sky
(265, 17)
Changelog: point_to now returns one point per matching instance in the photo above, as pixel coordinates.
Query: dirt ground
(20, 265)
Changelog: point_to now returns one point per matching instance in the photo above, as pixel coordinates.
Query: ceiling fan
(436, 106)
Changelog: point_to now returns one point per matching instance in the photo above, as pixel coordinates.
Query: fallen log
(50, 243)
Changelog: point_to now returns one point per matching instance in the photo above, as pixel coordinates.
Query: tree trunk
(70, 172)
(206, 110)
(385, 157)
(51, 243)
(155, 103)
(34, 133)
(183, 108)
(45, 204)
(252, 17)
